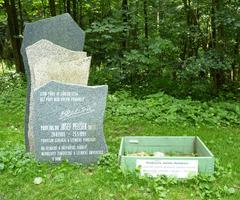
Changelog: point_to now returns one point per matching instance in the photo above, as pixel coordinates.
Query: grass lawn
(106, 181)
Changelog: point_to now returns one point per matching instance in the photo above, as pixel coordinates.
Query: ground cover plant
(215, 122)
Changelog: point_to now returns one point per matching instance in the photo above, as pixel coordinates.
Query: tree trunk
(125, 22)
(74, 9)
(11, 10)
(214, 72)
(187, 41)
(43, 8)
(217, 43)
(69, 6)
(213, 24)
(21, 16)
(81, 13)
(134, 24)
(102, 9)
(221, 44)
(52, 7)
(64, 5)
(145, 10)
(158, 15)
(105, 6)
(236, 60)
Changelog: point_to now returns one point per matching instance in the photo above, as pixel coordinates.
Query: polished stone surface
(68, 122)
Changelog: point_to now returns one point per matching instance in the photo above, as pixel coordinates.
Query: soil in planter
(160, 154)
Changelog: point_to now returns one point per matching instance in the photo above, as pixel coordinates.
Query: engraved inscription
(66, 114)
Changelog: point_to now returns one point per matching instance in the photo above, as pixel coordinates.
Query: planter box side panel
(206, 165)
(201, 149)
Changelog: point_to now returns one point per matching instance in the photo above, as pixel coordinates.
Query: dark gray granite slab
(61, 30)
(68, 122)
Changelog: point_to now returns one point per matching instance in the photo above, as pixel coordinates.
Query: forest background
(182, 47)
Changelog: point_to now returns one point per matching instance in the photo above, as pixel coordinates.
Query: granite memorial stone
(61, 30)
(48, 61)
(68, 122)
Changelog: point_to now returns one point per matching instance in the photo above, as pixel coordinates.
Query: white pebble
(159, 154)
(38, 180)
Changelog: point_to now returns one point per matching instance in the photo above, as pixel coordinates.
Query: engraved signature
(67, 114)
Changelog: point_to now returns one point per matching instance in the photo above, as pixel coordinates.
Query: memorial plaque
(68, 122)
(47, 62)
(61, 30)
(176, 168)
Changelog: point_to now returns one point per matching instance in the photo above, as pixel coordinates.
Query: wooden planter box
(184, 156)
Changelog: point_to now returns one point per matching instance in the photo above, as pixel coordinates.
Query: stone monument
(61, 30)
(64, 116)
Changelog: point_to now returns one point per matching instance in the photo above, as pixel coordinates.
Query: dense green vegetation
(183, 47)
(160, 108)
(216, 122)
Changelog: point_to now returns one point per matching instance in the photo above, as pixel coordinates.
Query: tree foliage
(141, 44)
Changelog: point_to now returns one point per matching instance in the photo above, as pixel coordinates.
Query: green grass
(106, 180)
